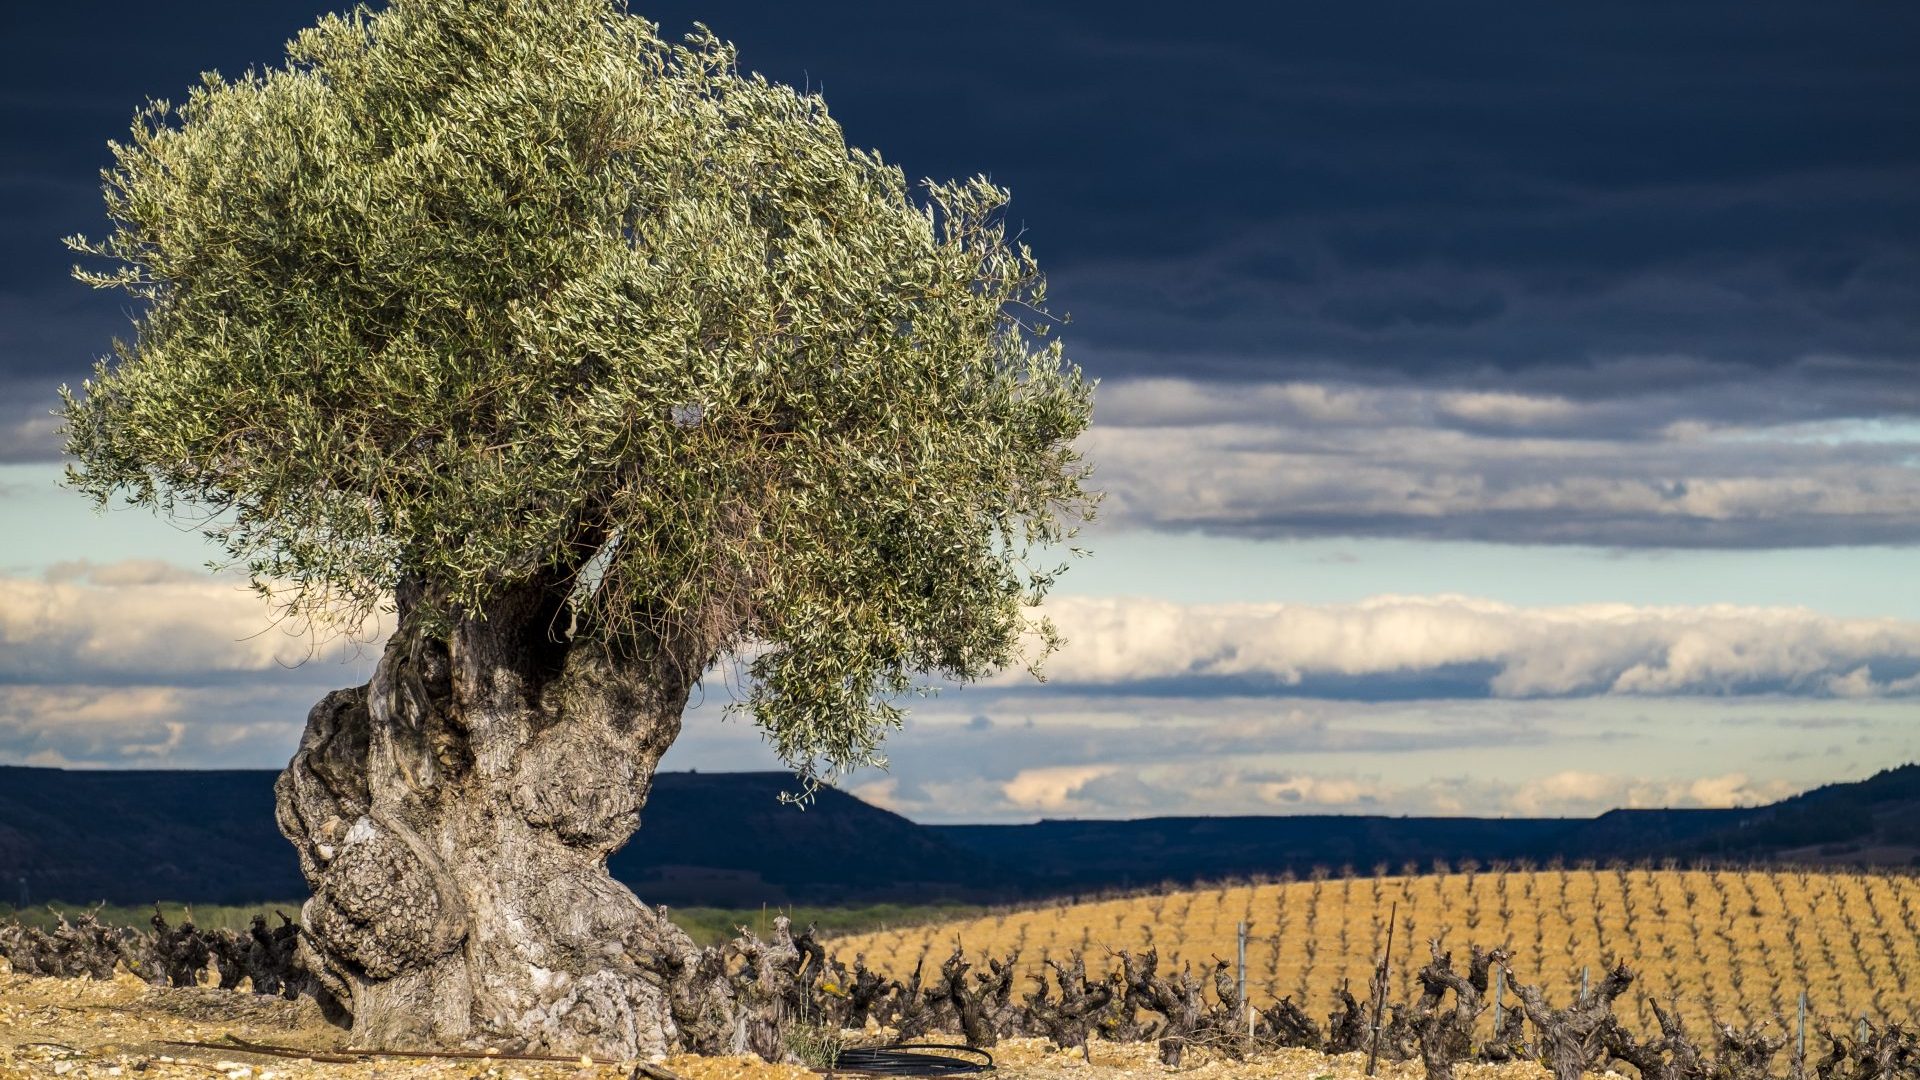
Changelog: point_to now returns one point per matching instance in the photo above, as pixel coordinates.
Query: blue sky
(1503, 409)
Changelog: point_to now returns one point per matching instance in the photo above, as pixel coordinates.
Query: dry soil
(77, 1029)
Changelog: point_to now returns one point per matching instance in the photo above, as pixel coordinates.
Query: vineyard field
(1732, 945)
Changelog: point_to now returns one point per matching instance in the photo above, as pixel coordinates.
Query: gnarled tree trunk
(454, 817)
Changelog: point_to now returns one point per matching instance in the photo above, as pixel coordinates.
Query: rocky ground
(78, 1029)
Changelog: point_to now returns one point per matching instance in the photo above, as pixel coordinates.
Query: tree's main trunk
(454, 817)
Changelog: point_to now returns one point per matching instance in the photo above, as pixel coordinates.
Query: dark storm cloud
(1457, 191)
(71, 78)
(1635, 207)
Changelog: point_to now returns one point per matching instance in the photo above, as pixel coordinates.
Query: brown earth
(78, 1029)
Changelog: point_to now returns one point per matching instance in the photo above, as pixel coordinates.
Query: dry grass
(1736, 945)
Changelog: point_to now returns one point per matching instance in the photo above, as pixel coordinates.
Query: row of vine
(787, 981)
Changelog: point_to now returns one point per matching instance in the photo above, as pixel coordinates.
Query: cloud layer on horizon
(1814, 462)
(1431, 704)
(1225, 788)
(1397, 647)
(147, 623)
(1038, 753)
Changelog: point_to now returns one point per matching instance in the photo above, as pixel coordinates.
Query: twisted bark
(1347, 1025)
(769, 986)
(1573, 1040)
(453, 818)
(1070, 1021)
(1285, 1023)
(1671, 1056)
(852, 994)
(984, 1009)
(1180, 1006)
(1444, 1036)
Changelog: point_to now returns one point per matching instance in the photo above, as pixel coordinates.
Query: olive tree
(586, 365)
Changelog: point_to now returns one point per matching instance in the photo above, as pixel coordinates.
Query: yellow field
(1738, 945)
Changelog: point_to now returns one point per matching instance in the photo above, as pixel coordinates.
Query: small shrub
(817, 1045)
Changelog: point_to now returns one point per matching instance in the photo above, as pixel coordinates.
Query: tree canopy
(476, 293)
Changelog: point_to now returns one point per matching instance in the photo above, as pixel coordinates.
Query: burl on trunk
(454, 817)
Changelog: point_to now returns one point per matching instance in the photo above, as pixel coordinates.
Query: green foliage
(237, 917)
(473, 294)
(707, 926)
(814, 1044)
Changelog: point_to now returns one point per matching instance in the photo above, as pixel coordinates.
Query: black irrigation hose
(911, 1060)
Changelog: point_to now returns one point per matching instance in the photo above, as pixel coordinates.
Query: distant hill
(135, 836)
(1079, 856)
(725, 839)
(1871, 821)
(1874, 821)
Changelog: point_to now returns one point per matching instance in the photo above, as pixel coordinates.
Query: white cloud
(1050, 789)
(145, 663)
(1327, 459)
(1505, 409)
(124, 572)
(1320, 791)
(147, 621)
(151, 726)
(75, 707)
(1508, 651)
(168, 668)
(1550, 795)
(1243, 786)
(28, 434)
(880, 793)
(1576, 793)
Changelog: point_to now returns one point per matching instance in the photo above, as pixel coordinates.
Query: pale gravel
(78, 1029)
